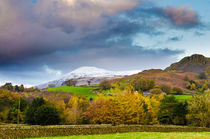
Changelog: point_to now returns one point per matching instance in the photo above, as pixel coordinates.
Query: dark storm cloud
(65, 34)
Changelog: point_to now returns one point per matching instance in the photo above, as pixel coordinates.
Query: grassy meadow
(182, 97)
(141, 135)
(83, 91)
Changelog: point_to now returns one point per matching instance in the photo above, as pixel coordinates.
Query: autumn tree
(142, 84)
(103, 111)
(73, 112)
(199, 110)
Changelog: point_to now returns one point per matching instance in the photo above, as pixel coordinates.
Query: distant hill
(195, 63)
(175, 79)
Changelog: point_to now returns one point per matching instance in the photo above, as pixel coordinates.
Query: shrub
(47, 115)
(166, 88)
(178, 90)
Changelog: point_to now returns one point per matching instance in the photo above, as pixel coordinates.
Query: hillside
(195, 63)
(174, 79)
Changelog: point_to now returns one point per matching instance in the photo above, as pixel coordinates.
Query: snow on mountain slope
(83, 72)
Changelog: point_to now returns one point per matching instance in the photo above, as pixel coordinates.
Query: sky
(41, 40)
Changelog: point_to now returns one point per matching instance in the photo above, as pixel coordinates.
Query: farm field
(141, 135)
(84, 91)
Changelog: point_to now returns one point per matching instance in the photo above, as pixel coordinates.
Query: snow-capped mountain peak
(84, 72)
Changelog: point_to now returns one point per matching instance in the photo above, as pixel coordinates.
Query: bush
(47, 115)
(178, 90)
(105, 85)
(166, 88)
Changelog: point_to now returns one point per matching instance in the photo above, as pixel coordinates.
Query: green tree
(47, 115)
(30, 114)
(172, 111)
(17, 111)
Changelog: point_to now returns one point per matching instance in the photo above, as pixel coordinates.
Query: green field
(141, 135)
(84, 91)
(182, 97)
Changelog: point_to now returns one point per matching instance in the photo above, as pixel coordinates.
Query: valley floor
(141, 135)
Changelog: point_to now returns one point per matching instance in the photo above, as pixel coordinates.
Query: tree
(17, 88)
(165, 88)
(178, 90)
(156, 91)
(75, 109)
(105, 85)
(21, 88)
(89, 82)
(71, 82)
(142, 84)
(199, 110)
(30, 113)
(17, 111)
(103, 111)
(46, 115)
(193, 86)
(172, 111)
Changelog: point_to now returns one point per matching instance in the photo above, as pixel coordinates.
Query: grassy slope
(143, 135)
(182, 97)
(84, 91)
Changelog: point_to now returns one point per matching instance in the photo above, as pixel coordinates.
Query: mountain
(195, 63)
(83, 74)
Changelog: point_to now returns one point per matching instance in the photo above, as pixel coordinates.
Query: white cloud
(51, 71)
